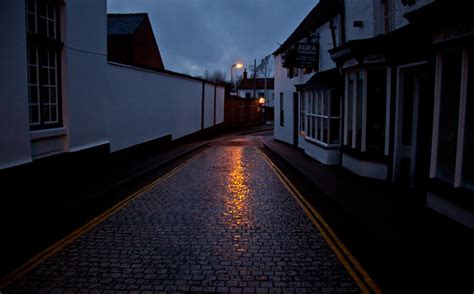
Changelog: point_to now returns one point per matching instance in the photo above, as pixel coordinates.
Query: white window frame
(315, 101)
(458, 177)
(354, 76)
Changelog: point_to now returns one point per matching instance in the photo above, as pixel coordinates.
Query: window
(43, 54)
(365, 104)
(449, 112)
(282, 112)
(453, 137)
(261, 94)
(468, 156)
(247, 95)
(323, 116)
(302, 111)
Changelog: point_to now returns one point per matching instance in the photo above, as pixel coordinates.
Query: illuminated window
(43, 54)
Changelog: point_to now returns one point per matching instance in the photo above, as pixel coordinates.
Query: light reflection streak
(237, 208)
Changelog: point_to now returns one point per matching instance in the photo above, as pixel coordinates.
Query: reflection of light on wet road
(237, 213)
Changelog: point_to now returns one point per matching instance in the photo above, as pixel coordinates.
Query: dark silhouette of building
(130, 40)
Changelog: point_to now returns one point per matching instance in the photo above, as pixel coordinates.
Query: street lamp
(261, 102)
(237, 65)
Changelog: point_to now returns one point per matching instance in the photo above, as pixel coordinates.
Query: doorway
(413, 120)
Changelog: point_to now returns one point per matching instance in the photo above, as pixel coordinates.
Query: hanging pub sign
(304, 54)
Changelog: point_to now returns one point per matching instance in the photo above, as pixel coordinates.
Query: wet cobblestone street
(223, 223)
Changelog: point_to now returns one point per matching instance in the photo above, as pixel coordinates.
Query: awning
(323, 80)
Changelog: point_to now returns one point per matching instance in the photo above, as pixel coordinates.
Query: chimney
(245, 74)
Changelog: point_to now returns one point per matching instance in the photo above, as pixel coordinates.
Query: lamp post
(237, 65)
(261, 102)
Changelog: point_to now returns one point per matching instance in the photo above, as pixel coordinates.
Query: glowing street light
(237, 65)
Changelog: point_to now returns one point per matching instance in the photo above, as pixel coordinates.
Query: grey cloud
(212, 34)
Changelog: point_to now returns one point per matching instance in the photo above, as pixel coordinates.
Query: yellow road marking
(355, 269)
(58, 246)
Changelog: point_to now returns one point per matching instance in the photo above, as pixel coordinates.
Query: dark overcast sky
(195, 35)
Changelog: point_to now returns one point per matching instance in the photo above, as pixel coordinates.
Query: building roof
(124, 23)
(260, 84)
(319, 15)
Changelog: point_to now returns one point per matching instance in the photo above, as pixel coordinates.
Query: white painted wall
(208, 105)
(359, 10)
(285, 85)
(14, 113)
(85, 89)
(145, 105)
(220, 96)
(325, 44)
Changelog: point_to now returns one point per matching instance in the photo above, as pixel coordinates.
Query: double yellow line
(355, 269)
(58, 246)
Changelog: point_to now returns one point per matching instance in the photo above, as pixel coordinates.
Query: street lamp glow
(261, 100)
(237, 65)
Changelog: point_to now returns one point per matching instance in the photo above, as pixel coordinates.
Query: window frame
(461, 122)
(43, 43)
(317, 111)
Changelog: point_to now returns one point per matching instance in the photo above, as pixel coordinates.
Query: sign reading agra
(302, 55)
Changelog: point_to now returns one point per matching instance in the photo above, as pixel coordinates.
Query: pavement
(221, 221)
(403, 244)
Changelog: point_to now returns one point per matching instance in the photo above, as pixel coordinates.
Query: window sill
(322, 145)
(365, 156)
(460, 196)
(47, 133)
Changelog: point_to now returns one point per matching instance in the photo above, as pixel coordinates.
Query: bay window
(453, 129)
(365, 110)
(323, 116)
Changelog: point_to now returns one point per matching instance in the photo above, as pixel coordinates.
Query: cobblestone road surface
(223, 223)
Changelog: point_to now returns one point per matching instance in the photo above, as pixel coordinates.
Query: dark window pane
(468, 159)
(449, 115)
(350, 107)
(359, 106)
(334, 126)
(335, 104)
(45, 113)
(44, 94)
(52, 77)
(31, 5)
(32, 79)
(51, 31)
(44, 76)
(408, 96)
(32, 55)
(54, 117)
(376, 102)
(34, 114)
(324, 134)
(33, 94)
(52, 95)
(31, 22)
(51, 10)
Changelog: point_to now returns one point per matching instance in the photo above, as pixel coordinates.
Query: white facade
(15, 146)
(102, 103)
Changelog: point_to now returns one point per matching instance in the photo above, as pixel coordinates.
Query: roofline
(289, 41)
